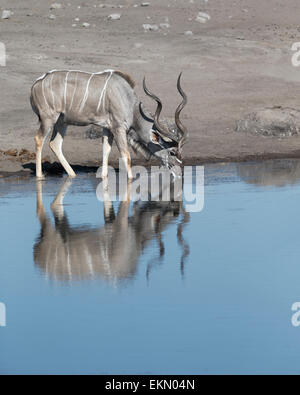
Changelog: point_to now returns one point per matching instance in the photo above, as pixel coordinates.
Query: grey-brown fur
(106, 99)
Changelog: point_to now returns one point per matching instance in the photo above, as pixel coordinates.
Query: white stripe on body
(52, 91)
(101, 98)
(86, 94)
(65, 92)
(74, 91)
(103, 91)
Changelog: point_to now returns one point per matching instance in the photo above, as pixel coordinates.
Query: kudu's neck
(140, 134)
(142, 123)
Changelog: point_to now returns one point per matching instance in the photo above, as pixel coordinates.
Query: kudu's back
(84, 98)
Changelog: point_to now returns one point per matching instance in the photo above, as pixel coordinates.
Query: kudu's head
(165, 141)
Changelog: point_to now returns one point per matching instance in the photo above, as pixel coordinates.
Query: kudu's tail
(34, 108)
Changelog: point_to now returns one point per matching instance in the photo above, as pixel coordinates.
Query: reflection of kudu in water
(271, 172)
(112, 251)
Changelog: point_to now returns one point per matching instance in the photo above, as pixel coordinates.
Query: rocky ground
(236, 58)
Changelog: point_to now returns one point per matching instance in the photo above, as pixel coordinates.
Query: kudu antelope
(112, 252)
(106, 99)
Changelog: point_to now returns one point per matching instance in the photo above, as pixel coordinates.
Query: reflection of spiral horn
(181, 241)
(156, 260)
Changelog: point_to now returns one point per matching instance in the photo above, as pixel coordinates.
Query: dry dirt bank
(235, 63)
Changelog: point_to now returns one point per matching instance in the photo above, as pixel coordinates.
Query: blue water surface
(219, 302)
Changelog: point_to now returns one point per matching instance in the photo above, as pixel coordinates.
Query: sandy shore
(235, 63)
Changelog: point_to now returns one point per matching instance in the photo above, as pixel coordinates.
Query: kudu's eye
(172, 153)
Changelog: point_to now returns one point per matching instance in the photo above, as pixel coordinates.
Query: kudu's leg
(109, 212)
(42, 133)
(40, 209)
(121, 140)
(123, 211)
(107, 141)
(56, 142)
(39, 142)
(44, 245)
(57, 204)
